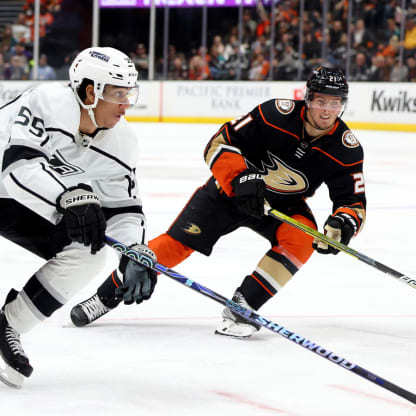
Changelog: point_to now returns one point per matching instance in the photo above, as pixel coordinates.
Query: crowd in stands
(16, 43)
(376, 52)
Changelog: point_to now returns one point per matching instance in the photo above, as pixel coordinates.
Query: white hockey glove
(340, 227)
(83, 216)
(138, 281)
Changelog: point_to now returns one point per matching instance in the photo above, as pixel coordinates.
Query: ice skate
(233, 325)
(88, 311)
(14, 365)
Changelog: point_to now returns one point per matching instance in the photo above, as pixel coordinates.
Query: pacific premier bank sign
(179, 3)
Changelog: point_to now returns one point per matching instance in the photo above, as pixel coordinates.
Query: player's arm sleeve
(224, 152)
(347, 192)
(122, 208)
(26, 174)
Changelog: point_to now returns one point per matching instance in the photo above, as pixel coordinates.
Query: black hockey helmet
(330, 81)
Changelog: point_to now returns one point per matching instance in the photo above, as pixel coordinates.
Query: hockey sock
(255, 294)
(106, 291)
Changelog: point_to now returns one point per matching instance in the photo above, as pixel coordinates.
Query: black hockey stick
(341, 247)
(260, 320)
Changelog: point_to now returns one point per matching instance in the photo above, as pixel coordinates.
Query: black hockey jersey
(272, 139)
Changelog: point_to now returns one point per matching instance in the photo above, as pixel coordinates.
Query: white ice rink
(162, 358)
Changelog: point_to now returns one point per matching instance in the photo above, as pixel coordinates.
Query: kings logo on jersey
(62, 167)
(280, 177)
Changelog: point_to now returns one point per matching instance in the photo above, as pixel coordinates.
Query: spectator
(390, 30)
(259, 69)
(359, 70)
(198, 69)
(311, 51)
(335, 34)
(141, 61)
(178, 69)
(289, 65)
(18, 69)
(217, 64)
(338, 54)
(411, 64)
(392, 49)
(409, 42)
(20, 31)
(45, 72)
(249, 25)
(3, 67)
(399, 72)
(237, 63)
(45, 19)
(378, 71)
(7, 36)
(20, 50)
(362, 38)
(217, 46)
(5, 51)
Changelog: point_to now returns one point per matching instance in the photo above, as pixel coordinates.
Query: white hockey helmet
(103, 66)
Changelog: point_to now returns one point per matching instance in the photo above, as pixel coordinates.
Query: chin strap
(89, 108)
(92, 117)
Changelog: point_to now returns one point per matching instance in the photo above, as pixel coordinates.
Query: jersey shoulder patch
(349, 140)
(284, 106)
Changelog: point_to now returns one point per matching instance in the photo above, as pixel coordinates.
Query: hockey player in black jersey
(68, 175)
(281, 151)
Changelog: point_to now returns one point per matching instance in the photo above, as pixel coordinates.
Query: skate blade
(224, 334)
(10, 377)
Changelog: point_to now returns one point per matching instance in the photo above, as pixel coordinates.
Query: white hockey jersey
(43, 153)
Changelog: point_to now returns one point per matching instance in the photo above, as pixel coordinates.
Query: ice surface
(162, 358)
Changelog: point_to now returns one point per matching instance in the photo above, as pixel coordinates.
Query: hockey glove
(340, 227)
(83, 216)
(138, 281)
(250, 190)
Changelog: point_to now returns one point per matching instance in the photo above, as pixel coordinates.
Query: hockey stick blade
(264, 322)
(341, 247)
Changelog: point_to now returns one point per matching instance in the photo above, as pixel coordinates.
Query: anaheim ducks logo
(281, 178)
(285, 106)
(349, 140)
(192, 228)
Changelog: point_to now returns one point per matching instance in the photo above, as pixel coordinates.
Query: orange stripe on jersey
(114, 279)
(354, 213)
(275, 127)
(350, 212)
(262, 285)
(226, 168)
(336, 160)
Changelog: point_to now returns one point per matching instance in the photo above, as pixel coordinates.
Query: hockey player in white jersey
(68, 176)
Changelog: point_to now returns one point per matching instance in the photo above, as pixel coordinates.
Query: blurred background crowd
(376, 43)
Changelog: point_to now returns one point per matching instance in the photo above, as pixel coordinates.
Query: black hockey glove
(138, 281)
(250, 190)
(83, 216)
(340, 227)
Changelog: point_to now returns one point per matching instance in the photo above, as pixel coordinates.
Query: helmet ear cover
(329, 81)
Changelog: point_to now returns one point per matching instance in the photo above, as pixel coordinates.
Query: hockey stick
(264, 322)
(341, 247)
